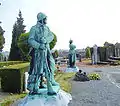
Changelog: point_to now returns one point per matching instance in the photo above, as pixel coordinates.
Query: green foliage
(12, 77)
(7, 63)
(88, 53)
(18, 29)
(2, 39)
(53, 43)
(24, 47)
(55, 54)
(94, 76)
(63, 80)
(11, 98)
(1, 56)
(2, 42)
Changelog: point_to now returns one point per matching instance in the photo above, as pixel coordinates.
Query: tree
(1, 57)
(53, 43)
(55, 54)
(18, 29)
(88, 53)
(2, 39)
(24, 46)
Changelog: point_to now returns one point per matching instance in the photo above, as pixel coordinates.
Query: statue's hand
(43, 40)
(42, 46)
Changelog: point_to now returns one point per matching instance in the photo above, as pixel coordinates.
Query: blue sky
(87, 22)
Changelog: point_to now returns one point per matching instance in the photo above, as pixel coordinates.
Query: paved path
(3, 95)
(105, 92)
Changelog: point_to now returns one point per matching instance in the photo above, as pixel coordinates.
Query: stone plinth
(69, 69)
(61, 99)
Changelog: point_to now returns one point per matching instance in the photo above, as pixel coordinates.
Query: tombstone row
(103, 54)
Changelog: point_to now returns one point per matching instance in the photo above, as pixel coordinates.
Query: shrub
(88, 52)
(12, 77)
(23, 45)
(7, 63)
(94, 76)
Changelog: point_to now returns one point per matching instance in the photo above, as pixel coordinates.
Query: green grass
(86, 60)
(11, 98)
(62, 78)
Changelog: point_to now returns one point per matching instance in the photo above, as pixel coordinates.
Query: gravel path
(96, 93)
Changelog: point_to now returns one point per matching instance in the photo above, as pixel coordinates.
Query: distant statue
(72, 54)
(42, 62)
(94, 54)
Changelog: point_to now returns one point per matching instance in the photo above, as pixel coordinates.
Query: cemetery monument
(42, 65)
(94, 55)
(72, 58)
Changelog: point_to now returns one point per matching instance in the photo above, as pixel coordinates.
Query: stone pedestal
(76, 69)
(43, 99)
(61, 99)
(26, 78)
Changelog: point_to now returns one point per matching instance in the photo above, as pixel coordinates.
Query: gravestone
(94, 54)
(110, 50)
(117, 50)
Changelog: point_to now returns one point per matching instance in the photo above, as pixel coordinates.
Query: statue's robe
(72, 55)
(42, 59)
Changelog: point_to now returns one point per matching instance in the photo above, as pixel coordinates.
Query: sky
(86, 22)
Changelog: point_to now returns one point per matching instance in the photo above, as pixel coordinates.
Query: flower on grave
(94, 76)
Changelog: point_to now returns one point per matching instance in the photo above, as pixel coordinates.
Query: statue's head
(95, 45)
(41, 18)
(71, 41)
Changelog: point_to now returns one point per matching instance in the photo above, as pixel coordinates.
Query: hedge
(7, 63)
(12, 77)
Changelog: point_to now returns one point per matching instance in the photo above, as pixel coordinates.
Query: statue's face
(71, 42)
(45, 20)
